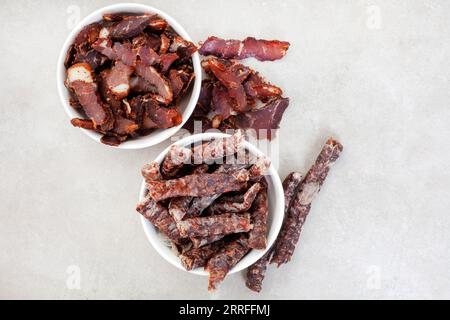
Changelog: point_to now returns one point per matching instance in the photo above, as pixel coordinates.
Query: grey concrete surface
(372, 73)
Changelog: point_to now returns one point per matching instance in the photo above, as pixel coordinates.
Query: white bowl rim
(153, 138)
(277, 215)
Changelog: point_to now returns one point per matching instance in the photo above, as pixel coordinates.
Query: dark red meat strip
(176, 158)
(198, 185)
(118, 80)
(221, 102)
(167, 60)
(224, 260)
(159, 216)
(124, 126)
(117, 51)
(256, 87)
(301, 204)
(153, 77)
(223, 224)
(199, 242)
(220, 148)
(80, 80)
(244, 205)
(267, 118)
(290, 186)
(148, 56)
(83, 123)
(162, 117)
(151, 172)
(260, 211)
(256, 273)
(263, 50)
(232, 82)
(197, 257)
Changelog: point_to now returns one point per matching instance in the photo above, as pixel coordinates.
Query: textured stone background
(374, 74)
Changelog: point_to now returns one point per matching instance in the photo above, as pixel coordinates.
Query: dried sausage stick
(198, 185)
(224, 260)
(258, 235)
(159, 216)
(215, 225)
(176, 158)
(245, 205)
(197, 257)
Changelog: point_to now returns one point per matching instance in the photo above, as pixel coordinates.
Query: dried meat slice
(198, 185)
(151, 41)
(257, 272)
(166, 61)
(117, 51)
(200, 204)
(199, 242)
(222, 104)
(87, 35)
(290, 187)
(157, 24)
(148, 56)
(140, 85)
(159, 216)
(260, 167)
(197, 257)
(176, 158)
(258, 235)
(222, 224)
(118, 80)
(264, 120)
(301, 204)
(83, 124)
(80, 80)
(94, 58)
(151, 172)
(241, 206)
(224, 260)
(232, 82)
(124, 126)
(178, 207)
(185, 49)
(256, 87)
(165, 44)
(130, 26)
(153, 77)
(263, 50)
(205, 98)
(176, 81)
(220, 148)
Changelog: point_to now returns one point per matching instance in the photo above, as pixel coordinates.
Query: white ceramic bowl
(276, 210)
(187, 104)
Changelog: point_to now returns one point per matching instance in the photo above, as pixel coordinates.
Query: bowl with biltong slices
(129, 76)
(209, 197)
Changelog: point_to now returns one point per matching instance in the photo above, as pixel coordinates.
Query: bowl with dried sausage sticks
(129, 76)
(211, 204)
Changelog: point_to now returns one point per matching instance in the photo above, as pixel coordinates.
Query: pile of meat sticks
(235, 96)
(210, 201)
(214, 214)
(126, 74)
